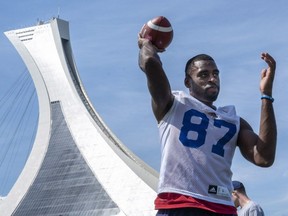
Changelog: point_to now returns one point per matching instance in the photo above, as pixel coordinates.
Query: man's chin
(213, 97)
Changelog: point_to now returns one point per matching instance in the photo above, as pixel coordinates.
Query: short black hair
(197, 58)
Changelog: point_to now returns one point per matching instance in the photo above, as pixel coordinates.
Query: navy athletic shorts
(188, 212)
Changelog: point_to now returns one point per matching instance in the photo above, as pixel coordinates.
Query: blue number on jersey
(201, 130)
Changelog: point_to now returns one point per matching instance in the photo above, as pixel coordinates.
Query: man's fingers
(269, 60)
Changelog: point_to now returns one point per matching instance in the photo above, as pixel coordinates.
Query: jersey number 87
(201, 130)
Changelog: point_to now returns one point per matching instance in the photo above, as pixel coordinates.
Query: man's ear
(235, 194)
(187, 82)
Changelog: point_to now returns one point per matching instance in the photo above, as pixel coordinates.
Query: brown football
(159, 31)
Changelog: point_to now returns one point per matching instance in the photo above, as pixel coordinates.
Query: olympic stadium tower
(77, 166)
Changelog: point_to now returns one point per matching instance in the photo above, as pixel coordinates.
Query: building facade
(77, 166)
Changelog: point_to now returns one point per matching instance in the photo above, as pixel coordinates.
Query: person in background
(198, 139)
(247, 206)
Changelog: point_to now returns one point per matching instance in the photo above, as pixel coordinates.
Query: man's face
(203, 81)
(235, 199)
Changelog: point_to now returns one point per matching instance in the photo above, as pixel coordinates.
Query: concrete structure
(77, 166)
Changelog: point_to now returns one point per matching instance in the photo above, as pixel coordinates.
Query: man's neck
(244, 201)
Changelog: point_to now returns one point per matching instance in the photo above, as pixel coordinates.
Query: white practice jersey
(198, 144)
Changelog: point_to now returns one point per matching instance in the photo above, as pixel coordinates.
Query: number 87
(201, 130)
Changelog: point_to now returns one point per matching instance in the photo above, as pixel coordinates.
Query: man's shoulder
(255, 206)
(179, 93)
(229, 109)
(252, 208)
(183, 95)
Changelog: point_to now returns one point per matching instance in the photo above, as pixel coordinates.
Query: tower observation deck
(77, 166)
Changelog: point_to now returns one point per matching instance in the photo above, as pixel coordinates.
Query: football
(159, 31)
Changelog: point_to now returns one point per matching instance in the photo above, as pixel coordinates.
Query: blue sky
(104, 41)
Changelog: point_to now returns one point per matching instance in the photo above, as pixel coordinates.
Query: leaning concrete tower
(77, 165)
